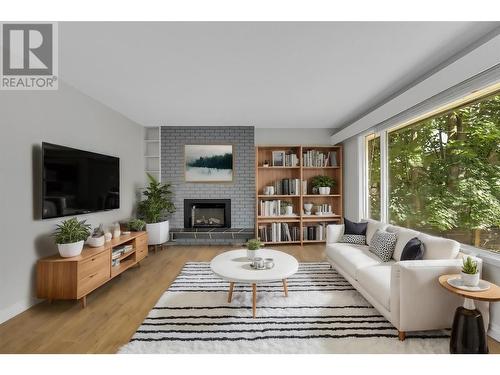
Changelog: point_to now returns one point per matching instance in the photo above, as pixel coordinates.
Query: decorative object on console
(108, 236)
(323, 184)
(97, 237)
(354, 228)
(70, 236)
(383, 244)
(355, 239)
(253, 246)
(413, 250)
(155, 209)
(116, 230)
(136, 225)
(266, 164)
(208, 163)
(470, 272)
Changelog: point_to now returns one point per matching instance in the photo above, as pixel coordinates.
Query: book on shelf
(287, 186)
(273, 208)
(315, 158)
(316, 232)
(291, 160)
(279, 232)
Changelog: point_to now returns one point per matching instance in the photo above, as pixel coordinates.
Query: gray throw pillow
(383, 244)
(356, 239)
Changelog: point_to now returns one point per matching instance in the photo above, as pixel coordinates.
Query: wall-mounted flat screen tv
(77, 182)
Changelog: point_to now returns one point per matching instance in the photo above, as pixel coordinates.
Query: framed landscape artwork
(208, 163)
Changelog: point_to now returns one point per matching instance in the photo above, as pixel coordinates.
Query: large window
(373, 154)
(444, 174)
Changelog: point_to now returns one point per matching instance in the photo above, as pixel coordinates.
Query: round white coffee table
(234, 266)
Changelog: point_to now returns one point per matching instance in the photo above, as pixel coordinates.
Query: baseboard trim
(16, 309)
(494, 331)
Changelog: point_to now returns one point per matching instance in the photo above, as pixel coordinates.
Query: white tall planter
(157, 233)
(68, 250)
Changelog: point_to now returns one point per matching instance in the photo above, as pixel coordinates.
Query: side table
(468, 335)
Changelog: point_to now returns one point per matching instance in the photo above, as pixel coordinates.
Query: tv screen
(78, 182)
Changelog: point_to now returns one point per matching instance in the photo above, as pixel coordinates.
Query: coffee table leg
(285, 287)
(254, 299)
(230, 295)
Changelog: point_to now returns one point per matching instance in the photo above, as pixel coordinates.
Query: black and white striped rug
(322, 314)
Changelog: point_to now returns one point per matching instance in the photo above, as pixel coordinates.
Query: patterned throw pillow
(356, 239)
(383, 244)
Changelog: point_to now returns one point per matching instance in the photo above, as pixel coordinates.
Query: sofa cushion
(357, 239)
(376, 280)
(413, 250)
(372, 227)
(351, 258)
(404, 235)
(354, 228)
(334, 232)
(439, 247)
(383, 244)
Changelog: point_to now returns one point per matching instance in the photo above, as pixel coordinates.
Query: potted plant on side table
(70, 236)
(154, 210)
(323, 184)
(470, 272)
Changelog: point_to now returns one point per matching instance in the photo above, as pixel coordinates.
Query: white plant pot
(68, 250)
(251, 254)
(95, 241)
(325, 190)
(470, 280)
(157, 232)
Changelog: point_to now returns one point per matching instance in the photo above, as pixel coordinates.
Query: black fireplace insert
(207, 213)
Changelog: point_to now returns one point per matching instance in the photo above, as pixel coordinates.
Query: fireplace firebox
(207, 213)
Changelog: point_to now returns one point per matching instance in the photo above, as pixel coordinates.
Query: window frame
(383, 134)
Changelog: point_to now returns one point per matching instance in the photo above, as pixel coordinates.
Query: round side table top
(491, 295)
(235, 266)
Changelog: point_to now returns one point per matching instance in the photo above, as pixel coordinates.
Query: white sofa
(407, 293)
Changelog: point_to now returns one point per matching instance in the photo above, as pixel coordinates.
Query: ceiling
(269, 75)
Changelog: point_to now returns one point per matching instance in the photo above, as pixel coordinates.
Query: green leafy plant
(469, 266)
(157, 204)
(323, 181)
(254, 244)
(71, 230)
(136, 225)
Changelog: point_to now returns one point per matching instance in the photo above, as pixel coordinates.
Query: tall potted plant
(154, 210)
(70, 236)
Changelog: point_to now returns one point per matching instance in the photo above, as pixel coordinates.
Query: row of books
(287, 186)
(291, 160)
(314, 232)
(279, 232)
(313, 158)
(118, 252)
(273, 208)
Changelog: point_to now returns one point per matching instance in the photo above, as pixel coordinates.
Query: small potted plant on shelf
(323, 184)
(286, 208)
(470, 272)
(154, 210)
(253, 246)
(136, 225)
(70, 236)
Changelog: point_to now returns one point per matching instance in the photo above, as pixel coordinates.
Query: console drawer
(94, 264)
(92, 281)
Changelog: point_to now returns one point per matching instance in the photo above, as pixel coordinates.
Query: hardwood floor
(116, 310)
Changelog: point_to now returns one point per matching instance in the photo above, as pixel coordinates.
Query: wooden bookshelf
(266, 176)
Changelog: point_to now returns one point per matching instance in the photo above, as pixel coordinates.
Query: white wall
(65, 117)
(292, 136)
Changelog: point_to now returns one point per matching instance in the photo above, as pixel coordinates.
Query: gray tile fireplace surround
(241, 191)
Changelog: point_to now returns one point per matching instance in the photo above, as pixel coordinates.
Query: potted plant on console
(323, 184)
(70, 236)
(470, 272)
(154, 210)
(136, 225)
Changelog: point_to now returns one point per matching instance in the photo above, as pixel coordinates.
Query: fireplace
(207, 213)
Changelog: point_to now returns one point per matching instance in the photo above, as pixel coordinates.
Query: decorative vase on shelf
(307, 208)
(289, 211)
(116, 231)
